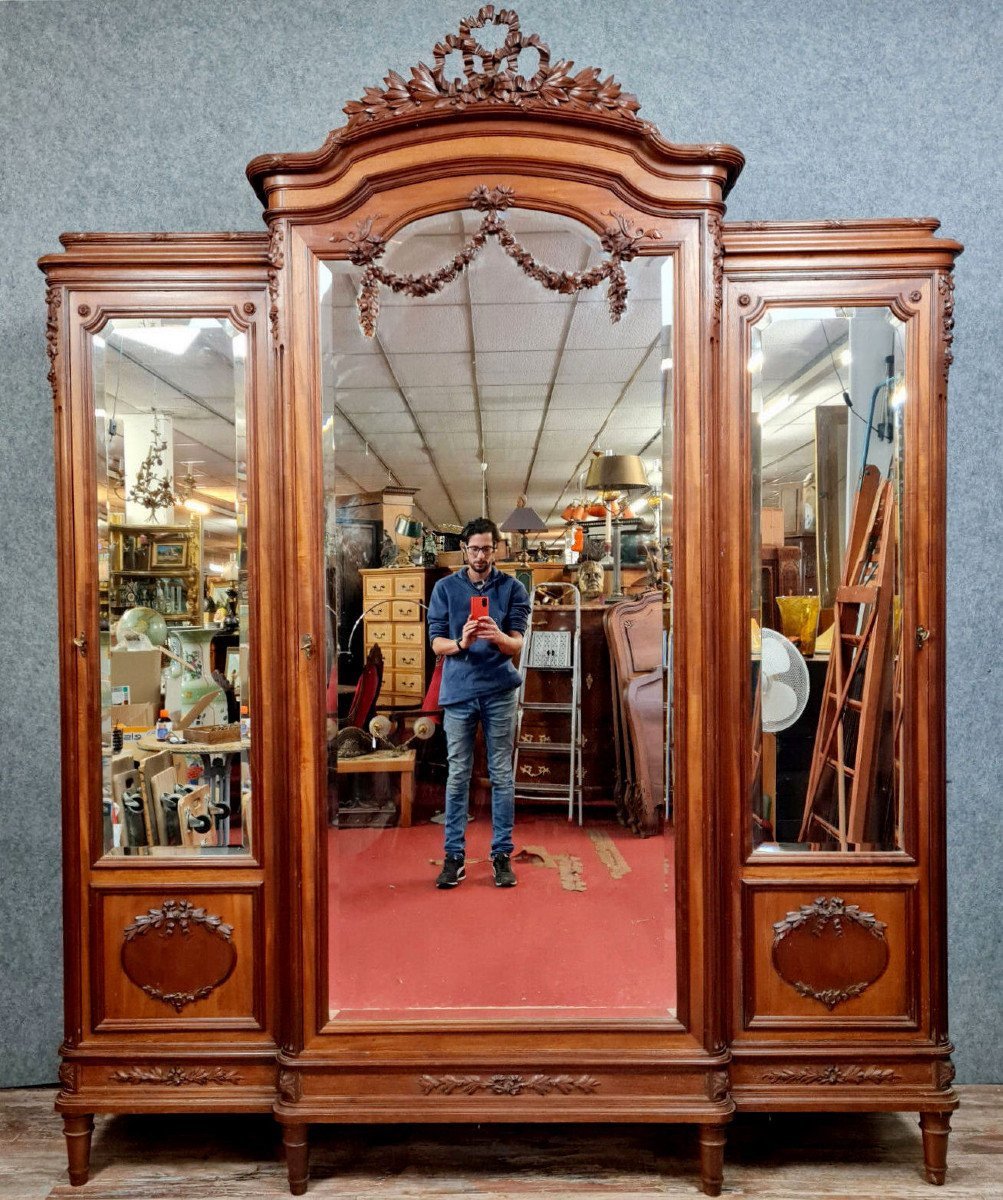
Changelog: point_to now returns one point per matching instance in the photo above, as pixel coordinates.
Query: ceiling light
(755, 362)
(846, 358)
(666, 364)
(775, 408)
(898, 396)
(197, 506)
(175, 339)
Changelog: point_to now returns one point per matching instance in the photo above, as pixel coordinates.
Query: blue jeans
(496, 713)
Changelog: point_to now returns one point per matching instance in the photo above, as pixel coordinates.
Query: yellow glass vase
(799, 618)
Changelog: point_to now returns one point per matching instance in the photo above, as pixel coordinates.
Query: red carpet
(400, 948)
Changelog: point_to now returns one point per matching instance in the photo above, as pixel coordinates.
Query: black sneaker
(452, 872)
(504, 875)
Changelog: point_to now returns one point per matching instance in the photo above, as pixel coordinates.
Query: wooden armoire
(810, 970)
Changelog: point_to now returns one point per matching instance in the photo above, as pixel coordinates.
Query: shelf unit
(155, 566)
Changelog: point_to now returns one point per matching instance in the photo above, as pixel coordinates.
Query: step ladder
(841, 782)
(553, 651)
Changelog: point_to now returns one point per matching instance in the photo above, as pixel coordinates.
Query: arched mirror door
(498, 366)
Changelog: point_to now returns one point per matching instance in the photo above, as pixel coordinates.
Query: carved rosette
(178, 953)
(508, 1085)
(945, 286)
(366, 247)
(829, 950)
(176, 1076)
(53, 303)
(490, 79)
(831, 1076)
(276, 261)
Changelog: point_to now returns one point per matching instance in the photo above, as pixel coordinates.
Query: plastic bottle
(164, 726)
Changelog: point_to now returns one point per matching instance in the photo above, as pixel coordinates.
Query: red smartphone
(478, 607)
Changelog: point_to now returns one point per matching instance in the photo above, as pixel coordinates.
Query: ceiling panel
(429, 370)
(512, 396)
(440, 399)
(519, 327)
(417, 328)
(592, 328)
(599, 366)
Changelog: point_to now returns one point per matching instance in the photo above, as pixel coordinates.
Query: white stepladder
(553, 651)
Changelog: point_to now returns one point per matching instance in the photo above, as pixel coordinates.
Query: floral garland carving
(715, 228)
(276, 260)
(366, 247)
(507, 1085)
(176, 1076)
(53, 303)
(943, 1073)
(717, 1085)
(945, 285)
(290, 1086)
(490, 79)
(830, 1076)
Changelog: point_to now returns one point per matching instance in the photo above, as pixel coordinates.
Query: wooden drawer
(377, 611)
(375, 587)
(386, 687)
(409, 635)
(409, 683)
(409, 583)
(409, 660)
(379, 632)
(405, 610)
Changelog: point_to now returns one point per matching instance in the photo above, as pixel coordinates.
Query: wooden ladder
(841, 782)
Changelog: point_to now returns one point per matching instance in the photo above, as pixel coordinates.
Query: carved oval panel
(830, 951)
(178, 953)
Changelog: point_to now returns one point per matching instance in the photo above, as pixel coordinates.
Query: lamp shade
(523, 519)
(405, 527)
(617, 473)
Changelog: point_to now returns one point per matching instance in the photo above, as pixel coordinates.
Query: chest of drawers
(394, 604)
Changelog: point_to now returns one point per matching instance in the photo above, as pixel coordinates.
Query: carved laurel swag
(830, 1076)
(366, 247)
(508, 1085)
(490, 79)
(176, 1076)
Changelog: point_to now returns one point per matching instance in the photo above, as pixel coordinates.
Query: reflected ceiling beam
(394, 477)
(655, 344)
(173, 386)
(559, 359)
(429, 454)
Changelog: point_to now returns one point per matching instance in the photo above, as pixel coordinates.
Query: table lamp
(616, 475)
(523, 519)
(406, 526)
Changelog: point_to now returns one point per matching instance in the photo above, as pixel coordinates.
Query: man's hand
(470, 632)
(507, 643)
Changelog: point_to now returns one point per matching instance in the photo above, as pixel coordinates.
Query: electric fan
(784, 682)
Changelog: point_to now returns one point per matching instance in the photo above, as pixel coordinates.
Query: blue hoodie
(482, 668)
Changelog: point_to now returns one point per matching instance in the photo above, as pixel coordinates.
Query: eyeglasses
(472, 550)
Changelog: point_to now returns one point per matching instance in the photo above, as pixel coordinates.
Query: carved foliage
(945, 285)
(290, 1086)
(829, 950)
(53, 303)
(276, 260)
(69, 1077)
(489, 79)
(507, 1085)
(178, 953)
(176, 1076)
(717, 1085)
(943, 1073)
(830, 1076)
(714, 225)
(365, 247)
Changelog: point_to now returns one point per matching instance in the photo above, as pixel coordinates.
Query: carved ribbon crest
(508, 1085)
(490, 78)
(366, 247)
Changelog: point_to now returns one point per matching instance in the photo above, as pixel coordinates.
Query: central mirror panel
(488, 397)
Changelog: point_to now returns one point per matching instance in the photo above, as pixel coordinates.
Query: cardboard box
(134, 716)
(139, 671)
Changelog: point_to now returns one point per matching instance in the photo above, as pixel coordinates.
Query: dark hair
(479, 525)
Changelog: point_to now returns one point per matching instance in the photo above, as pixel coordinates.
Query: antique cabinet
(395, 600)
(787, 976)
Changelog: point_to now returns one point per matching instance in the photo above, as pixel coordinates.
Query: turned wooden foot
(711, 1159)
(935, 1126)
(295, 1138)
(77, 1130)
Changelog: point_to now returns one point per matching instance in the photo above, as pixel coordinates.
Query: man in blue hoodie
(479, 685)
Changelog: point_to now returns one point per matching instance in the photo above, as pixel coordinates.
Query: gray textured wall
(123, 116)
